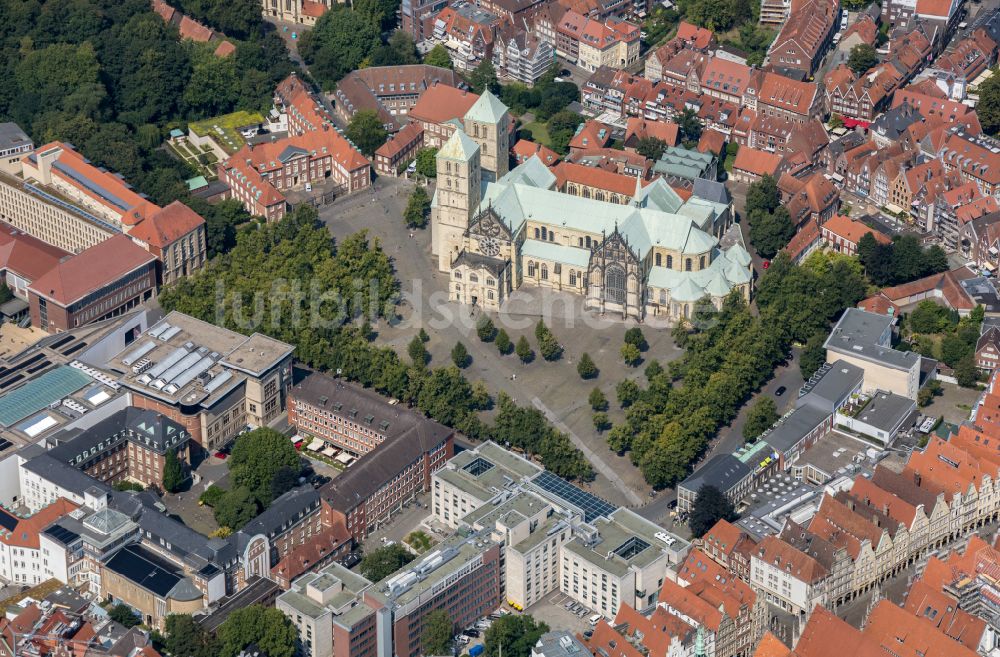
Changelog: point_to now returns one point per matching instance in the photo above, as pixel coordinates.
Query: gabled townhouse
(716, 615)
(917, 190)
(729, 546)
(468, 32)
(939, 107)
(770, 94)
(968, 58)
(979, 240)
(955, 208)
(689, 37)
(799, 46)
(725, 79)
(786, 577)
(975, 160)
(861, 98)
(637, 129)
(812, 198)
(842, 234)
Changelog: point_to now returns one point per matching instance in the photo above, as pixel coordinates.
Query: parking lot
(552, 609)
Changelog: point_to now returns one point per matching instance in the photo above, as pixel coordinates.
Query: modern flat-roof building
(723, 471)
(212, 381)
(864, 339)
(14, 143)
(461, 575)
(106, 280)
(316, 604)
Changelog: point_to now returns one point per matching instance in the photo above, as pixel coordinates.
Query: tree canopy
(437, 636)
(186, 638)
(710, 506)
(339, 42)
(384, 561)
(761, 416)
(513, 636)
(257, 457)
(122, 614)
(366, 131)
(901, 261)
(988, 107)
(267, 627)
(236, 508)
(863, 56)
(173, 472)
(438, 56)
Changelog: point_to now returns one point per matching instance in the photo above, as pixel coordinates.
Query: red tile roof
(942, 611)
(726, 76)
(606, 641)
(640, 128)
(27, 256)
(787, 94)
(225, 49)
(595, 177)
(851, 230)
(951, 291)
(712, 141)
(266, 156)
(698, 36)
(399, 141)
(89, 270)
(937, 8)
(165, 227)
(593, 134)
(806, 237)
(690, 604)
(826, 635)
(525, 148)
(902, 634)
(26, 530)
(104, 187)
(442, 102)
(798, 564)
(655, 632)
(771, 646)
(165, 11)
(313, 9)
(878, 304)
(192, 29)
(756, 162)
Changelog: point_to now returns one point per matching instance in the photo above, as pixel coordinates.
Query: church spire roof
(488, 109)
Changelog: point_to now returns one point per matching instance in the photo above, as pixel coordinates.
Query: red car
(766, 264)
(221, 455)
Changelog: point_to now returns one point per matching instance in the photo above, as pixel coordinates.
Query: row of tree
(900, 261)
(266, 627)
(729, 354)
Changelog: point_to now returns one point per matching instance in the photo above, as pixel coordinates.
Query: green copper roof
(551, 252)
(488, 109)
(40, 392)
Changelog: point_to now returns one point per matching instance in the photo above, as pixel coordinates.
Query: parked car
(780, 391)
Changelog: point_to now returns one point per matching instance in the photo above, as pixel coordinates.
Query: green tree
(710, 506)
(485, 329)
(460, 356)
(601, 421)
(438, 56)
(427, 162)
(422, 334)
(586, 368)
(186, 638)
(417, 208)
(338, 43)
(760, 417)
(266, 627)
(627, 391)
(762, 195)
(651, 148)
(417, 352)
(384, 561)
(561, 127)
(503, 343)
(212, 495)
(771, 231)
(653, 370)
(635, 337)
(927, 394)
(122, 614)
(549, 347)
(367, 132)
(813, 355)
(284, 480)
(524, 350)
(513, 636)
(597, 400)
(173, 472)
(257, 456)
(863, 56)
(966, 372)
(236, 508)
(954, 349)
(437, 636)
(631, 355)
(484, 78)
(988, 107)
(836, 121)
(929, 317)
(689, 127)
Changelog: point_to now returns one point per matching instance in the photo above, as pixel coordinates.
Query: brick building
(104, 281)
(397, 449)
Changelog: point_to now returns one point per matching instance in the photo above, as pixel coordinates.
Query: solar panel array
(60, 533)
(591, 505)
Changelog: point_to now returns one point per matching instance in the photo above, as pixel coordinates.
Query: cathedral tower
(459, 178)
(488, 123)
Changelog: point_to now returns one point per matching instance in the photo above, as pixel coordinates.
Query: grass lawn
(226, 129)
(539, 133)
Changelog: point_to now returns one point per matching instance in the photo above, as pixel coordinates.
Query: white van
(595, 619)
